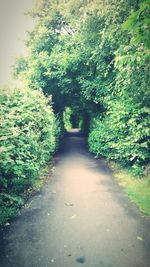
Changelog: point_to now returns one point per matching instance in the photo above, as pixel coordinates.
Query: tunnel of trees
(87, 65)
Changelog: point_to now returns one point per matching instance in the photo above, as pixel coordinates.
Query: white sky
(13, 27)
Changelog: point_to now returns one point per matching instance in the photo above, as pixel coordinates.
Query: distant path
(81, 217)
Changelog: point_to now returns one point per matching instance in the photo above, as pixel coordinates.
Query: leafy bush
(28, 137)
(67, 118)
(9, 206)
(123, 135)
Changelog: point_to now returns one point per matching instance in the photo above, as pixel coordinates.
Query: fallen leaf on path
(7, 224)
(140, 238)
(53, 192)
(80, 259)
(28, 205)
(73, 216)
(69, 204)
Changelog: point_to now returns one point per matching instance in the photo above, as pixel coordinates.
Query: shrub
(28, 137)
(123, 135)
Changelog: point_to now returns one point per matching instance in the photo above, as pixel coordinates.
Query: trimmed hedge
(123, 135)
(29, 135)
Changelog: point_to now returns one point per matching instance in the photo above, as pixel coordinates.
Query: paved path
(81, 217)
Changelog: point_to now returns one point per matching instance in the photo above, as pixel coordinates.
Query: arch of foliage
(93, 56)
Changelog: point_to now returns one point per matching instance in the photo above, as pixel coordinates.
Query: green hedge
(28, 138)
(122, 135)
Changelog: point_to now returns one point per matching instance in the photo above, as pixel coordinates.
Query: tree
(92, 56)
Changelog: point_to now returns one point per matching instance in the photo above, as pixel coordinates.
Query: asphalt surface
(80, 217)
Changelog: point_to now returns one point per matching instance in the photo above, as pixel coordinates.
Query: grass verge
(137, 188)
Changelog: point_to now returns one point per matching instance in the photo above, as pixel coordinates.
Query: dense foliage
(122, 133)
(28, 136)
(92, 56)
